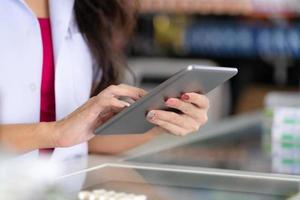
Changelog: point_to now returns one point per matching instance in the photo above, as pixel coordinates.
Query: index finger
(123, 91)
(140, 91)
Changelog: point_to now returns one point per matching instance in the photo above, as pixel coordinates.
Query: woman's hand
(79, 126)
(194, 109)
(194, 114)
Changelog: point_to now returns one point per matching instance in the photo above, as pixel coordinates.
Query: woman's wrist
(47, 135)
(156, 131)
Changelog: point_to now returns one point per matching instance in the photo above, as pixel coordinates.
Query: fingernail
(151, 115)
(185, 97)
(126, 104)
(171, 101)
(142, 93)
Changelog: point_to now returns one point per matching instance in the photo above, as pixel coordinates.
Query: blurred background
(259, 37)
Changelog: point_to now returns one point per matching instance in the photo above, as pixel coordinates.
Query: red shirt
(47, 112)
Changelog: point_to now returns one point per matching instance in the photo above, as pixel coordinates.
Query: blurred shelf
(237, 39)
(218, 38)
(248, 8)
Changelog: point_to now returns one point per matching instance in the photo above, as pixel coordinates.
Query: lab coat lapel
(60, 15)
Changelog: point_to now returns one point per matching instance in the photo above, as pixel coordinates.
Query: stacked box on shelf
(286, 140)
(282, 131)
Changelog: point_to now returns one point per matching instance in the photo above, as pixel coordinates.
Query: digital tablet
(200, 79)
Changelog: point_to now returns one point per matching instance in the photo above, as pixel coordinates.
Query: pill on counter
(112, 198)
(140, 197)
(102, 198)
(99, 191)
(102, 194)
(120, 195)
(93, 196)
(84, 195)
(111, 193)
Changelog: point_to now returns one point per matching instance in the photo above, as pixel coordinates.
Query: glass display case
(169, 182)
(224, 161)
(238, 149)
(240, 143)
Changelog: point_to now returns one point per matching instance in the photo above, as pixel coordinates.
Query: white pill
(128, 197)
(125, 198)
(140, 197)
(99, 191)
(102, 198)
(121, 194)
(110, 193)
(92, 196)
(84, 195)
(102, 194)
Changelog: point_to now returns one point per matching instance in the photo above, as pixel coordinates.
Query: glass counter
(169, 182)
(237, 150)
(223, 161)
(235, 144)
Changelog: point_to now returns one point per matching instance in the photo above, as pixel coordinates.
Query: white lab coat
(21, 66)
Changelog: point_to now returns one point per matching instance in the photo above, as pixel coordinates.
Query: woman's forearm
(116, 144)
(23, 138)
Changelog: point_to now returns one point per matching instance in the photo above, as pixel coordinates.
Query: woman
(54, 56)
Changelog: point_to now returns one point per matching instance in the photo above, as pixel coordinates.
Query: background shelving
(260, 37)
(230, 7)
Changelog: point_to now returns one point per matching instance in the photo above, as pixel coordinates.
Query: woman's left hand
(194, 109)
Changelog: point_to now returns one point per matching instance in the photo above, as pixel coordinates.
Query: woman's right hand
(79, 126)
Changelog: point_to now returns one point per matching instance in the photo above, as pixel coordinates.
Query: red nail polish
(185, 97)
